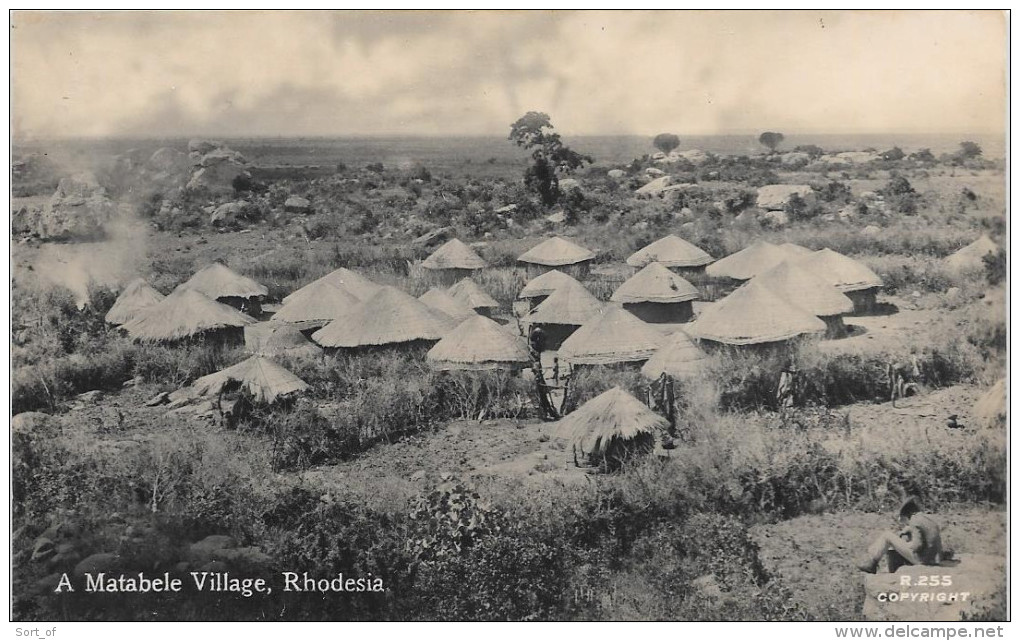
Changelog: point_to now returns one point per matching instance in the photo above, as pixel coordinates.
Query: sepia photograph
(488, 315)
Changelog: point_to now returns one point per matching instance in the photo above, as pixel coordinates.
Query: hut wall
(834, 326)
(579, 270)
(251, 306)
(446, 277)
(864, 300)
(661, 312)
(555, 334)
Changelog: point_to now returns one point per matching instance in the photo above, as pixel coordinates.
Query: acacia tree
(969, 149)
(666, 142)
(771, 139)
(550, 156)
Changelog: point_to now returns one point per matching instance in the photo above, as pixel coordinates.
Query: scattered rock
(871, 230)
(91, 398)
(204, 550)
(566, 184)
(616, 173)
(775, 219)
(652, 171)
(226, 213)
(158, 399)
(102, 562)
(435, 237)
(778, 196)
(32, 423)
(419, 475)
(655, 187)
(43, 549)
(297, 205)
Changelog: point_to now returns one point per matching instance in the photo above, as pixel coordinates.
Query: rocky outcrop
(79, 210)
(218, 167)
(776, 197)
(297, 205)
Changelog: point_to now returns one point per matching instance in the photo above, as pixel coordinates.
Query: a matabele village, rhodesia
(446, 316)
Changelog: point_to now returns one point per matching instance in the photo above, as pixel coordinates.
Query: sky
(164, 74)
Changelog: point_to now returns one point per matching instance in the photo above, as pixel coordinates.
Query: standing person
(918, 543)
(537, 341)
(785, 389)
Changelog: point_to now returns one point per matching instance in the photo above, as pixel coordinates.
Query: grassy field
(359, 476)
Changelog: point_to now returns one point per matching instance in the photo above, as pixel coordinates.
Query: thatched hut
(750, 261)
(563, 312)
(672, 252)
(538, 288)
(470, 294)
(678, 357)
(453, 261)
(261, 379)
(185, 315)
(849, 276)
(220, 283)
(794, 251)
(810, 292)
(277, 338)
(610, 428)
(315, 305)
(350, 281)
(136, 297)
(657, 295)
(390, 317)
(558, 253)
(612, 337)
(440, 300)
(754, 315)
(971, 257)
(990, 410)
(480, 343)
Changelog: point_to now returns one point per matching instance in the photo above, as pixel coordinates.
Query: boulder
(43, 550)
(35, 423)
(297, 205)
(202, 146)
(78, 210)
(566, 184)
(207, 548)
(435, 237)
(218, 168)
(696, 156)
(96, 563)
(964, 586)
(557, 217)
(775, 219)
(652, 171)
(794, 159)
(655, 187)
(506, 209)
(616, 173)
(167, 160)
(226, 213)
(251, 558)
(871, 230)
(777, 196)
(857, 157)
(90, 398)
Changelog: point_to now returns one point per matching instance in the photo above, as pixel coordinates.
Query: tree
(551, 157)
(969, 149)
(893, 154)
(923, 155)
(771, 139)
(666, 142)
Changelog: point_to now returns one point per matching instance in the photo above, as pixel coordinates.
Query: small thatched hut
(750, 261)
(264, 381)
(614, 336)
(452, 262)
(679, 357)
(849, 276)
(470, 294)
(610, 428)
(390, 317)
(187, 314)
(990, 410)
(538, 288)
(754, 315)
(563, 312)
(657, 295)
(137, 296)
(343, 278)
(672, 252)
(220, 283)
(316, 304)
(970, 258)
(558, 253)
(440, 300)
(480, 343)
(811, 293)
(276, 338)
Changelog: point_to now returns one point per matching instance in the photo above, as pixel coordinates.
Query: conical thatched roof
(440, 300)
(655, 284)
(571, 304)
(454, 254)
(990, 409)
(614, 414)
(470, 293)
(748, 262)
(390, 316)
(480, 343)
(545, 284)
(183, 314)
(137, 296)
(671, 251)
(263, 379)
(753, 314)
(343, 278)
(615, 336)
(276, 338)
(678, 357)
(843, 273)
(316, 304)
(805, 289)
(219, 281)
(795, 251)
(970, 257)
(556, 252)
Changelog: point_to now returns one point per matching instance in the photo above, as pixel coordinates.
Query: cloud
(361, 73)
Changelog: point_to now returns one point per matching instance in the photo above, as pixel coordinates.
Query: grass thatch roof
(570, 304)
(991, 408)
(219, 281)
(679, 357)
(545, 284)
(754, 314)
(612, 415)
(183, 314)
(137, 296)
(439, 300)
(970, 257)
(671, 251)
(842, 272)
(615, 336)
(794, 251)
(750, 261)
(454, 254)
(316, 304)
(556, 252)
(805, 289)
(480, 343)
(343, 278)
(655, 284)
(388, 317)
(468, 292)
(276, 338)
(260, 377)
